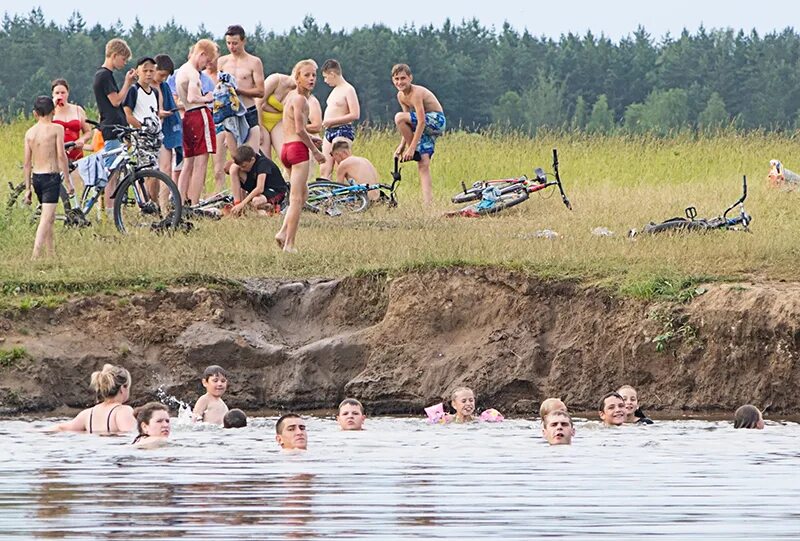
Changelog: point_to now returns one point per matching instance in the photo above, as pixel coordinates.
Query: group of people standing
(275, 113)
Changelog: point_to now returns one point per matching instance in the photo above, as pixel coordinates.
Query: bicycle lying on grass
(335, 198)
(497, 195)
(692, 223)
(144, 199)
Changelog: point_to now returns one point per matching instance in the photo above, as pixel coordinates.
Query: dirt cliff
(400, 343)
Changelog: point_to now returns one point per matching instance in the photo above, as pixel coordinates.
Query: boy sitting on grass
(210, 408)
(353, 168)
(421, 121)
(45, 162)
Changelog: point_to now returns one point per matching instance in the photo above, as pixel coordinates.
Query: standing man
(295, 150)
(109, 102)
(612, 409)
(342, 109)
(199, 138)
(249, 73)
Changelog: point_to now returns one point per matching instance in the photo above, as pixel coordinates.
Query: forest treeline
(704, 80)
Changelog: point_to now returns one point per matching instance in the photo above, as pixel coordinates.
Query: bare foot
(289, 250)
(281, 240)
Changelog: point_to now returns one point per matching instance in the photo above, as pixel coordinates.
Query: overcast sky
(614, 18)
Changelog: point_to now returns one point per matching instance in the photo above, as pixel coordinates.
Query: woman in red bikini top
(110, 415)
(72, 117)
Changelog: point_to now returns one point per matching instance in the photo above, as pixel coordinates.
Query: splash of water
(184, 410)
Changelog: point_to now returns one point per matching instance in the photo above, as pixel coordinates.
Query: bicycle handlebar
(564, 198)
(740, 200)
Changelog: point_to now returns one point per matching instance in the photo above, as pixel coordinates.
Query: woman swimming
(110, 415)
(153, 423)
(634, 413)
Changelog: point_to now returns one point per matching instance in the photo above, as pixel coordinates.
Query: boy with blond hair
(420, 122)
(45, 162)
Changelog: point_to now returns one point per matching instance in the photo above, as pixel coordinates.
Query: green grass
(618, 182)
(10, 356)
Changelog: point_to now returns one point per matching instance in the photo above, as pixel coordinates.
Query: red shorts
(294, 153)
(199, 135)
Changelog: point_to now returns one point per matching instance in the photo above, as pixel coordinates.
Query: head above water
(151, 419)
(351, 414)
(111, 380)
(611, 409)
(290, 432)
(235, 418)
(462, 400)
(631, 398)
(557, 428)
(551, 404)
(748, 416)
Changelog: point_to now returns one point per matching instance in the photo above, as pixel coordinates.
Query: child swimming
(351, 415)
(633, 413)
(748, 416)
(210, 408)
(462, 400)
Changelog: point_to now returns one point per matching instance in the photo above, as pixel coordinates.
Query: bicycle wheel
(333, 198)
(676, 224)
(138, 209)
(474, 193)
(503, 202)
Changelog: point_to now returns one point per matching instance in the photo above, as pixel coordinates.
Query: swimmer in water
(557, 428)
(290, 433)
(550, 405)
(110, 415)
(633, 413)
(612, 409)
(210, 408)
(153, 423)
(235, 418)
(463, 401)
(748, 416)
(351, 415)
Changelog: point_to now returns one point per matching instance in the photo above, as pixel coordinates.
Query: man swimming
(290, 432)
(557, 428)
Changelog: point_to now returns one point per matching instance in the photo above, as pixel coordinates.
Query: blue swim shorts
(345, 130)
(435, 123)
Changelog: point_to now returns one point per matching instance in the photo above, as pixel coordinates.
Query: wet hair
(401, 68)
(332, 65)
(351, 402)
(243, 154)
(108, 381)
(164, 63)
(43, 105)
(300, 65)
(235, 30)
(59, 82)
(341, 144)
(145, 413)
(205, 46)
(214, 370)
(746, 416)
(118, 46)
(602, 404)
(458, 390)
(235, 418)
(547, 406)
(557, 413)
(282, 418)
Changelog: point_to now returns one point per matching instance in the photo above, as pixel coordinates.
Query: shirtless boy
(351, 415)
(356, 168)
(199, 138)
(557, 428)
(210, 408)
(290, 433)
(249, 73)
(276, 88)
(342, 109)
(612, 409)
(295, 151)
(45, 162)
(420, 122)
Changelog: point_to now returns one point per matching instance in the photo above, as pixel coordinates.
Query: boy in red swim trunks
(45, 162)
(295, 151)
(199, 134)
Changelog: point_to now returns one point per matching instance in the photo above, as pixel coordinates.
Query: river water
(402, 479)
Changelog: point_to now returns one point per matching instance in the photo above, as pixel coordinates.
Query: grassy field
(615, 182)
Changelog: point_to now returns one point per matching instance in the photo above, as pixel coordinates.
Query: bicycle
(135, 207)
(497, 195)
(691, 223)
(334, 198)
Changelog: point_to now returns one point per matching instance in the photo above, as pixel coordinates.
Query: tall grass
(618, 182)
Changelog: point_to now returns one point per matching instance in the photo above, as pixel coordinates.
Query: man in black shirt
(255, 181)
(109, 100)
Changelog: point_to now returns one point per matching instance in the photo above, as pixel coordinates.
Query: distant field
(616, 182)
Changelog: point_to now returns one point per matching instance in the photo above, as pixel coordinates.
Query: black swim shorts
(47, 187)
(251, 116)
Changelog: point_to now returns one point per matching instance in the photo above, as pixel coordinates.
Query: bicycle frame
(364, 188)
